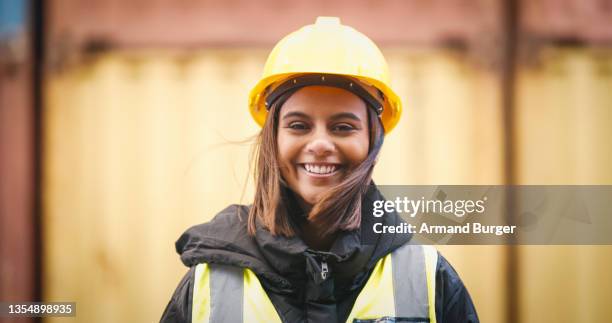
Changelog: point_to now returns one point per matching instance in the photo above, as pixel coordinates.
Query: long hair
(337, 209)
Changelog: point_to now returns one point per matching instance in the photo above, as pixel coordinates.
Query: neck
(313, 237)
(311, 234)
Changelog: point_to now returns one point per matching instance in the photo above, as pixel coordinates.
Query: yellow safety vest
(402, 285)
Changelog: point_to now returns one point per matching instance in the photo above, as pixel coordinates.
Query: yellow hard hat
(327, 48)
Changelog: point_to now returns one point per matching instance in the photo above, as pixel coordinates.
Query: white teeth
(317, 169)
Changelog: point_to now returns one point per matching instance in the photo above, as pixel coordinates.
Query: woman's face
(323, 134)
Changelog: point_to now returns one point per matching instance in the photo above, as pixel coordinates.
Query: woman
(304, 250)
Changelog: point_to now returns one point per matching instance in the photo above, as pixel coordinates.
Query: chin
(311, 200)
(312, 197)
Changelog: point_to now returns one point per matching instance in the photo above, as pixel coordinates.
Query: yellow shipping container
(141, 145)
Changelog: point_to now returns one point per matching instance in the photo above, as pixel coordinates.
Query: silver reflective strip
(226, 292)
(410, 282)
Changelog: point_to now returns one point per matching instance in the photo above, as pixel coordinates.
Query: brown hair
(338, 209)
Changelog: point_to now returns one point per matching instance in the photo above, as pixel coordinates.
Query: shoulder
(179, 306)
(193, 294)
(195, 246)
(226, 228)
(232, 218)
(453, 301)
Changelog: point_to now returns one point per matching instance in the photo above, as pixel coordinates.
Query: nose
(320, 145)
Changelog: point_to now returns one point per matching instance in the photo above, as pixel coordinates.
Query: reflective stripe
(431, 263)
(225, 294)
(200, 308)
(257, 304)
(376, 299)
(410, 282)
(402, 285)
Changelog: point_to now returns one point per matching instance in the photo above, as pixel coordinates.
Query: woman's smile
(320, 170)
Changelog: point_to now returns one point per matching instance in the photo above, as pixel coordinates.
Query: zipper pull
(324, 270)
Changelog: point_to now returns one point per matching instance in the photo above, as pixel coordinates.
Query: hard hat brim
(390, 115)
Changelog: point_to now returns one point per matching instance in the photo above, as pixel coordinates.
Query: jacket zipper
(324, 269)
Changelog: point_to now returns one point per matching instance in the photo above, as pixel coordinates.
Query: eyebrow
(336, 116)
(348, 115)
(296, 114)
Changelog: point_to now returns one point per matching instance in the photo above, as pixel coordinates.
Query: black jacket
(290, 272)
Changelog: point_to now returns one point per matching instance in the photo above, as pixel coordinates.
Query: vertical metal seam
(510, 15)
(37, 15)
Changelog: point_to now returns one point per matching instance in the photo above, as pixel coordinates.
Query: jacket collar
(284, 263)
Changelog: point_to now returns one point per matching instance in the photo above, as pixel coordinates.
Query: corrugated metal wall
(140, 146)
(564, 126)
(564, 118)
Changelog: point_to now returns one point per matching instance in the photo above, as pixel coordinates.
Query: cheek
(357, 150)
(287, 152)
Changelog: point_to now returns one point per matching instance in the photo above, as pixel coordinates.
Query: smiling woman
(295, 254)
(323, 136)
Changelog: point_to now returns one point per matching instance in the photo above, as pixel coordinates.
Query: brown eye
(343, 127)
(297, 126)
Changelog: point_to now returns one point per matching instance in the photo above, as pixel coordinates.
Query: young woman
(304, 250)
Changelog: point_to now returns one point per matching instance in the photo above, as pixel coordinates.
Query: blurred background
(122, 123)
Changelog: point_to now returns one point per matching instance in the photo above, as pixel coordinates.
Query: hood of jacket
(284, 264)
